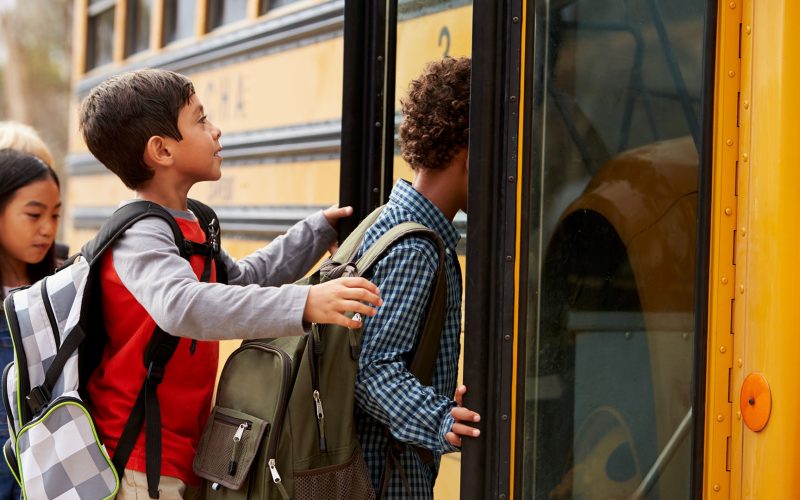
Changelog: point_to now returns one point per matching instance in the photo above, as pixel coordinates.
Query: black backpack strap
(210, 223)
(119, 222)
(158, 352)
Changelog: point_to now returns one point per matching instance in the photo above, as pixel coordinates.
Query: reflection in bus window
(100, 35)
(137, 29)
(178, 20)
(610, 350)
(222, 12)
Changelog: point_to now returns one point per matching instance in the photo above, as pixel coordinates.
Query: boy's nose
(217, 133)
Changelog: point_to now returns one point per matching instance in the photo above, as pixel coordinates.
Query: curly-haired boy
(433, 136)
(149, 128)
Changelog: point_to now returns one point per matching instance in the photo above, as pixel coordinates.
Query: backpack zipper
(233, 463)
(313, 363)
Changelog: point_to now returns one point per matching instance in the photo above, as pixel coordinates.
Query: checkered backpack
(56, 326)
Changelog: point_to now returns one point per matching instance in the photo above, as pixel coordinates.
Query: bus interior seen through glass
(611, 317)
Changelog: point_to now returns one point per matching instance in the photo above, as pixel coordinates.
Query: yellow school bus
(629, 317)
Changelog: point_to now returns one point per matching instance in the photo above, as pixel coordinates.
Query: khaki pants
(133, 486)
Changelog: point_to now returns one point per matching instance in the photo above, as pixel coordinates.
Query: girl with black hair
(30, 206)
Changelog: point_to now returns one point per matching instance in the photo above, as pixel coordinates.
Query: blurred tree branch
(37, 37)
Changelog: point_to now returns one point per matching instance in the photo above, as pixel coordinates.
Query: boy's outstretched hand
(462, 414)
(332, 215)
(327, 302)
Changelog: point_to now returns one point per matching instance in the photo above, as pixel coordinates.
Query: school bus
(629, 330)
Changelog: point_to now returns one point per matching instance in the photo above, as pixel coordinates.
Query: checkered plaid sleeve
(385, 388)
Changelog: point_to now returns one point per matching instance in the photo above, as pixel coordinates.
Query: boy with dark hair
(434, 141)
(150, 129)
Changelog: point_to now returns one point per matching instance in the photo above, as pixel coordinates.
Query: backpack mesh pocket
(345, 481)
(228, 446)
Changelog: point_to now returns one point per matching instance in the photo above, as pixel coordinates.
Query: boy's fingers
(355, 307)
(360, 283)
(453, 439)
(342, 320)
(335, 212)
(465, 414)
(362, 295)
(465, 430)
(459, 396)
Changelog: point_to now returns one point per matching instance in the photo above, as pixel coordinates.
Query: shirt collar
(427, 214)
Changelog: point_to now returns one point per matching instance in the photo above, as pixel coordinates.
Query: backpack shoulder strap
(122, 219)
(210, 223)
(352, 243)
(422, 364)
(427, 349)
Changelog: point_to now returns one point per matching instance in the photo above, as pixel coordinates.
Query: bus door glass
(611, 299)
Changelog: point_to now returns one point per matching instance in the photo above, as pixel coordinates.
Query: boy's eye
(203, 118)
(33, 215)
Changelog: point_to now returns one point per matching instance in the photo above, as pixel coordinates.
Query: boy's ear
(157, 152)
(462, 158)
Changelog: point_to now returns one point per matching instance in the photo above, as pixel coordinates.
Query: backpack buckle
(155, 373)
(213, 235)
(38, 398)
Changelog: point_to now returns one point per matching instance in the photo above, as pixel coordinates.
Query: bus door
(586, 318)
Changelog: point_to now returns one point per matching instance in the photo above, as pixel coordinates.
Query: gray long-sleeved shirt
(149, 265)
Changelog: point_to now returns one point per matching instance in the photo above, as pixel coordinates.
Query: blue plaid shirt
(387, 395)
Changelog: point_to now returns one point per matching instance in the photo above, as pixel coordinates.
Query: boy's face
(197, 155)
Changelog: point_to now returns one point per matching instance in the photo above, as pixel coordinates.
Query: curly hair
(436, 114)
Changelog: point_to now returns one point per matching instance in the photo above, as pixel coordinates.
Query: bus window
(267, 5)
(137, 29)
(178, 20)
(610, 351)
(222, 12)
(100, 35)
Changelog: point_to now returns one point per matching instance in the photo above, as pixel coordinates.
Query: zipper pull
(276, 478)
(355, 346)
(192, 347)
(240, 431)
(323, 442)
(237, 438)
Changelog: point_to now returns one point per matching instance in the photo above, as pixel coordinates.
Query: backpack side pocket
(228, 447)
(59, 453)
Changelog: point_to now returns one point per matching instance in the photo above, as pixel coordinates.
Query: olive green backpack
(282, 426)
